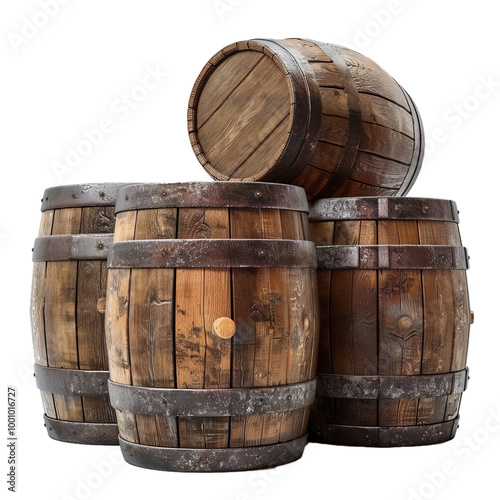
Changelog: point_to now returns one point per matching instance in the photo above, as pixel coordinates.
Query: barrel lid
(212, 194)
(374, 208)
(81, 195)
(250, 111)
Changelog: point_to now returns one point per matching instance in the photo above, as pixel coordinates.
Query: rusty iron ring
(202, 253)
(82, 432)
(212, 459)
(72, 382)
(211, 402)
(383, 437)
(72, 247)
(391, 387)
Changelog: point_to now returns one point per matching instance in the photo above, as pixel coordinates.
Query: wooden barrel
(307, 113)
(211, 324)
(67, 306)
(395, 320)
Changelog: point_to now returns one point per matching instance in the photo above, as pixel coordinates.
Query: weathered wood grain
(419, 321)
(255, 108)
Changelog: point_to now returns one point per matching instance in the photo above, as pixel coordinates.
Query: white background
(69, 73)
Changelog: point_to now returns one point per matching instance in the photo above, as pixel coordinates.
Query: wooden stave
(330, 188)
(131, 420)
(434, 411)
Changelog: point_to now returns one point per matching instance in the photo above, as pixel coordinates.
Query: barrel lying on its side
(308, 113)
(69, 288)
(395, 321)
(212, 325)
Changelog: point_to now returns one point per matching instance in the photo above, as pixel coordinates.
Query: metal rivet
(458, 211)
(41, 200)
(101, 194)
(289, 397)
(101, 382)
(336, 92)
(100, 246)
(262, 253)
(126, 197)
(164, 253)
(74, 432)
(34, 374)
(50, 428)
(47, 198)
(261, 400)
(425, 209)
(164, 193)
(45, 425)
(258, 194)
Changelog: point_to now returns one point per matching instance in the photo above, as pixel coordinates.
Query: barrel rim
(300, 111)
(102, 433)
(94, 194)
(383, 208)
(211, 195)
(212, 459)
(383, 437)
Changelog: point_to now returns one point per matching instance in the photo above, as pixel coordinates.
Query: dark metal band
(72, 382)
(211, 402)
(212, 459)
(72, 247)
(391, 387)
(394, 208)
(212, 194)
(418, 153)
(307, 117)
(81, 432)
(351, 147)
(198, 253)
(392, 257)
(81, 195)
(383, 437)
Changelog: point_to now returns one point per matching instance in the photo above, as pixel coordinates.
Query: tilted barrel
(212, 325)
(67, 312)
(308, 113)
(395, 321)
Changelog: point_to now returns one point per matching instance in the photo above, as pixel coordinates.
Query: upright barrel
(395, 321)
(67, 312)
(212, 325)
(308, 113)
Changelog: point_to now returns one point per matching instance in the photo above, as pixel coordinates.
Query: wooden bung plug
(101, 305)
(225, 328)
